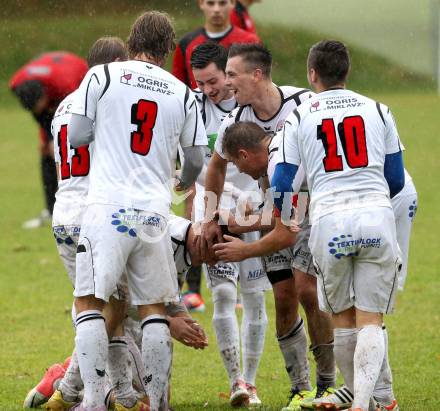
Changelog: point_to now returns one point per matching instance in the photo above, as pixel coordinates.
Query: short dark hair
(331, 61)
(29, 92)
(152, 33)
(242, 135)
(207, 53)
(255, 55)
(105, 50)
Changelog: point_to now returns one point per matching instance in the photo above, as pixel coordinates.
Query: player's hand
(233, 250)
(211, 234)
(188, 332)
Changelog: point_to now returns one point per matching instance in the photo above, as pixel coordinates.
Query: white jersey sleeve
(392, 139)
(193, 133)
(89, 92)
(288, 150)
(227, 121)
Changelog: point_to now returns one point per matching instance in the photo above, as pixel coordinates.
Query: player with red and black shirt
(40, 85)
(217, 28)
(240, 16)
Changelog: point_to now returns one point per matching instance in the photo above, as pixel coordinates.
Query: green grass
(36, 295)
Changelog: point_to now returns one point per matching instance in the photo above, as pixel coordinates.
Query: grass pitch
(36, 294)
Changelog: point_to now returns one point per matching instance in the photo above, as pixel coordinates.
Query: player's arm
(394, 170)
(282, 236)
(84, 107)
(193, 141)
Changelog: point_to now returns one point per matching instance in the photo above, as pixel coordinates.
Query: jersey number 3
(352, 135)
(80, 160)
(143, 114)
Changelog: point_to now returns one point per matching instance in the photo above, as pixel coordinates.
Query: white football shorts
(357, 259)
(249, 272)
(113, 240)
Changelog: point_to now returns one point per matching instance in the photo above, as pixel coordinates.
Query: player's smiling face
(240, 79)
(212, 82)
(216, 13)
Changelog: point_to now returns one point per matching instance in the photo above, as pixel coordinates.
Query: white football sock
(368, 359)
(92, 350)
(224, 298)
(344, 346)
(253, 331)
(137, 366)
(325, 364)
(157, 354)
(120, 371)
(71, 384)
(383, 391)
(293, 346)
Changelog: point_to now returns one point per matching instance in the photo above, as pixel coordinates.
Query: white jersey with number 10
(341, 138)
(141, 113)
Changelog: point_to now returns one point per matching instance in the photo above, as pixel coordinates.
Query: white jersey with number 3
(141, 113)
(73, 169)
(341, 138)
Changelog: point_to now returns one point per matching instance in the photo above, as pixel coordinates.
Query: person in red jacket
(40, 85)
(240, 16)
(217, 28)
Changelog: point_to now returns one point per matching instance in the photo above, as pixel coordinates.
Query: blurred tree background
(30, 27)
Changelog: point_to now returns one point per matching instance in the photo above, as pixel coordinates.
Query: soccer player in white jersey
(73, 167)
(139, 113)
(248, 74)
(351, 153)
(216, 100)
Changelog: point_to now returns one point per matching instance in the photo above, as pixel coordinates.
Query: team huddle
(296, 191)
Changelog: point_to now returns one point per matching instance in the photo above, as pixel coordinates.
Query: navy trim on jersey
(380, 112)
(283, 100)
(107, 80)
(296, 96)
(273, 150)
(184, 246)
(197, 122)
(87, 91)
(240, 10)
(297, 116)
(186, 98)
(240, 110)
(204, 98)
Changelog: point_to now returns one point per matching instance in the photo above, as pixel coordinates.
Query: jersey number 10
(352, 136)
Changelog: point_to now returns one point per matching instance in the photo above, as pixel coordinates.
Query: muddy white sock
(383, 391)
(368, 359)
(71, 384)
(120, 371)
(344, 346)
(293, 346)
(92, 350)
(253, 331)
(157, 356)
(224, 297)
